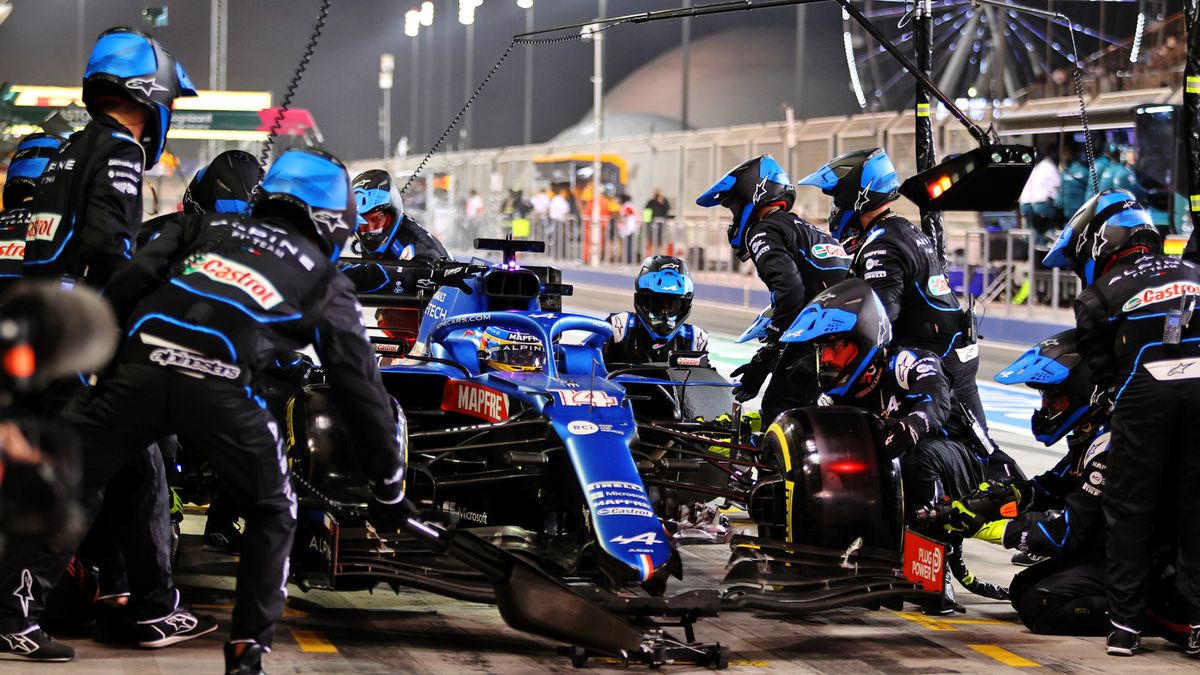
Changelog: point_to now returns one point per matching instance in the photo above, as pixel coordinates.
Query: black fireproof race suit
(1065, 522)
(1125, 323)
(88, 206)
(411, 242)
(796, 261)
(901, 265)
(206, 306)
(914, 390)
(632, 343)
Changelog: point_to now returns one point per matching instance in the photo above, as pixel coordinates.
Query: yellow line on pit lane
(312, 641)
(934, 623)
(1004, 656)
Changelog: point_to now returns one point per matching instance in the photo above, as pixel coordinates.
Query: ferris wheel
(984, 50)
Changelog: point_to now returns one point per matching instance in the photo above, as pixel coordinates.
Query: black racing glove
(755, 372)
(452, 275)
(898, 438)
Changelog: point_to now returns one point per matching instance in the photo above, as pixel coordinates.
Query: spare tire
(837, 483)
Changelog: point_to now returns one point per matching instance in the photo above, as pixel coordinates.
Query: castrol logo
(248, 280)
(43, 227)
(1169, 291)
(12, 250)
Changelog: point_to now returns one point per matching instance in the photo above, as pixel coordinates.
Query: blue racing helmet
(28, 164)
(225, 185)
(747, 187)
(375, 192)
(662, 295)
(317, 184)
(1055, 368)
(1105, 225)
(851, 331)
(132, 65)
(859, 182)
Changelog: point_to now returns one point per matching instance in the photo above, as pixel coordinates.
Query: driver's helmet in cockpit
(511, 351)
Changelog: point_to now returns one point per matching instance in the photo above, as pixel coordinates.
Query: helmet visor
(835, 361)
(663, 312)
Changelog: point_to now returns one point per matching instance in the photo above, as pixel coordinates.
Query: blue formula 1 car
(548, 485)
(534, 466)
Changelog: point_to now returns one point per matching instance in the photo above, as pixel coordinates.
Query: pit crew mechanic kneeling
(1135, 328)
(900, 263)
(207, 305)
(857, 366)
(662, 301)
(793, 258)
(1063, 596)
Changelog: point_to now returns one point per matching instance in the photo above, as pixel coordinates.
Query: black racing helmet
(859, 182)
(28, 164)
(375, 192)
(745, 189)
(662, 295)
(129, 64)
(851, 331)
(1055, 368)
(1104, 226)
(316, 183)
(225, 185)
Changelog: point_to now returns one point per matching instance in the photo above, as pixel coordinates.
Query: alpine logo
(146, 85)
(1169, 291)
(823, 251)
(43, 227)
(469, 398)
(648, 538)
(593, 398)
(225, 271)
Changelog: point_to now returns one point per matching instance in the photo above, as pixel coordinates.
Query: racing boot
(249, 662)
(222, 537)
(702, 524)
(32, 644)
(1192, 648)
(178, 626)
(1123, 641)
(1027, 559)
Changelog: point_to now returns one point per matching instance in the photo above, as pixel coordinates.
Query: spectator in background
(539, 205)
(628, 225)
(1074, 182)
(656, 212)
(1106, 154)
(1121, 175)
(559, 210)
(1038, 201)
(474, 212)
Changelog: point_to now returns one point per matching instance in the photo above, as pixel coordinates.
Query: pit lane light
(427, 13)
(989, 178)
(412, 22)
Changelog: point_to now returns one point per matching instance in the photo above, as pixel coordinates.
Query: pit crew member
(662, 301)
(793, 258)
(1135, 329)
(900, 263)
(28, 164)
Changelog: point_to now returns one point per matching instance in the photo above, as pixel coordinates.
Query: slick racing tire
(834, 483)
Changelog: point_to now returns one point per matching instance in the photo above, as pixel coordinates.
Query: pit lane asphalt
(415, 632)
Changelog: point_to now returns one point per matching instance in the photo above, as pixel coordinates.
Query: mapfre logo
(225, 271)
(42, 227)
(1160, 293)
(12, 250)
(476, 400)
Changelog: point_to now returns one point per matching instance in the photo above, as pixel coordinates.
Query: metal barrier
(1014, 274)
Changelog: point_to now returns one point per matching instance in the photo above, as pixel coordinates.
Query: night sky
(39, 44)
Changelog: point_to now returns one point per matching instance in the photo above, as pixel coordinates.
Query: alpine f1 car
(549, 486)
